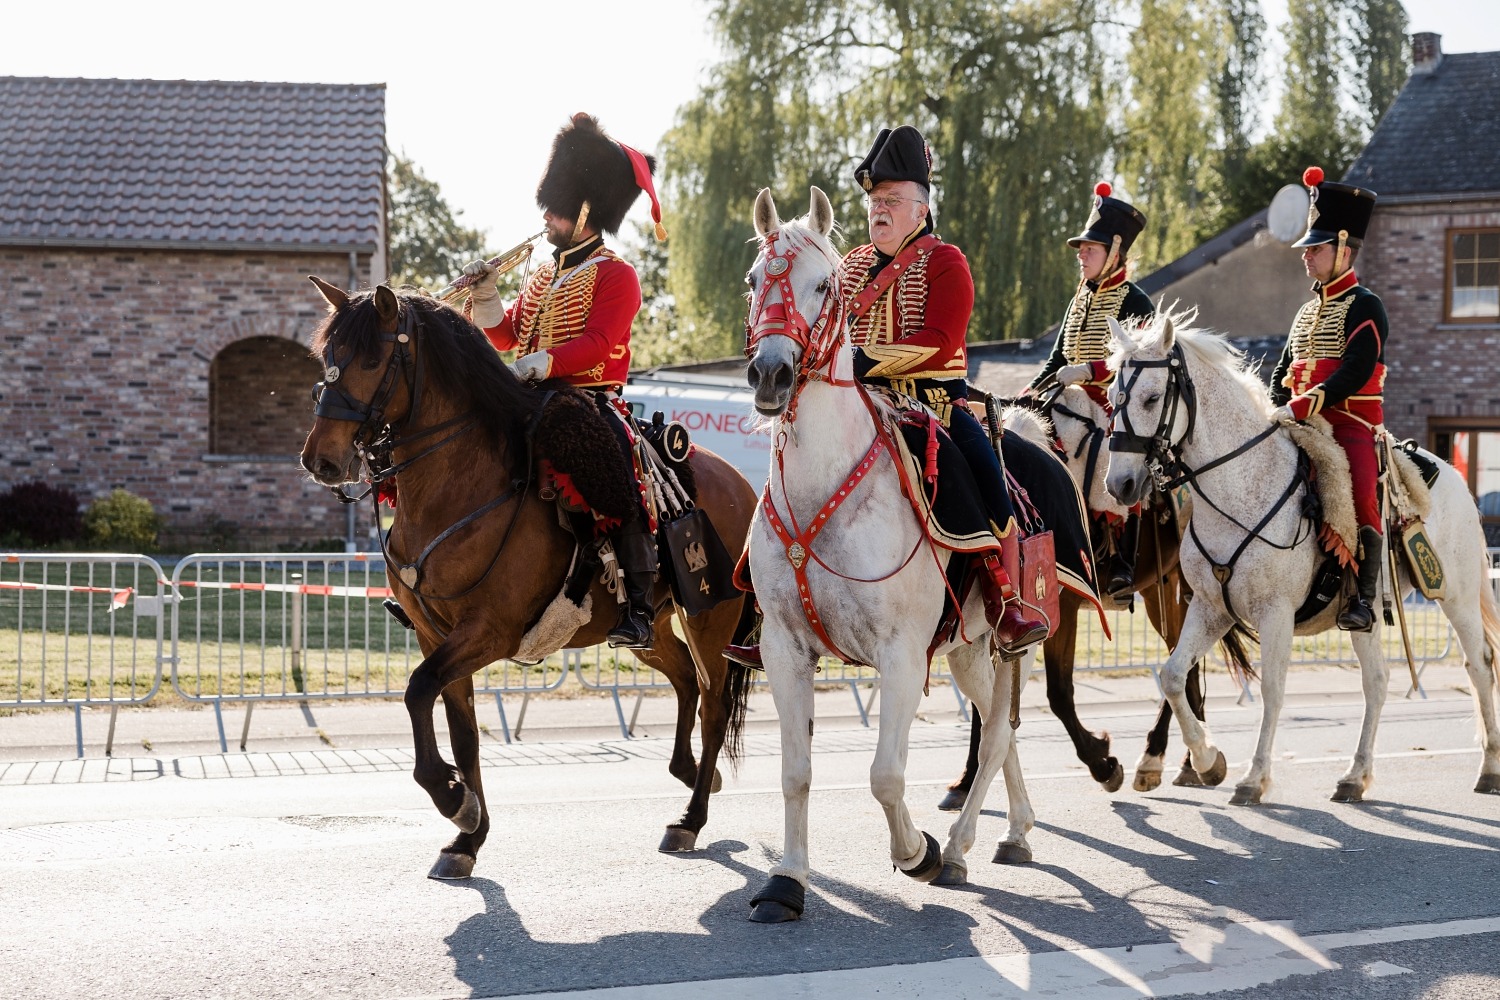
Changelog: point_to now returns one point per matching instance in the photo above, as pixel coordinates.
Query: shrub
(34, 513)
(122, 521)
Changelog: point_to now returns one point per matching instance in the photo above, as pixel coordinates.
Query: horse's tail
(737, 684)
(1237, 657)
(1489, 613)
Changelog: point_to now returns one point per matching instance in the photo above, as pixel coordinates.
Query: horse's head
(794, 321)
(366, 349)
(1079, 426)
(1153, 401)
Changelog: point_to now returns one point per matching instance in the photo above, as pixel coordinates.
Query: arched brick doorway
(259, 397)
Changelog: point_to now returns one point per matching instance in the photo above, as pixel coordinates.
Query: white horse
(873, 587)
(1186, 394)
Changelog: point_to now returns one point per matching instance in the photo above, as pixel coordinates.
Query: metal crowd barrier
(253, 628)
(80, 630)
(99, 629)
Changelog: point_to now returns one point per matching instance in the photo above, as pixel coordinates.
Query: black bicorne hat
(588, 166)
(1336, 210)
(1111, 218)
(899, 154)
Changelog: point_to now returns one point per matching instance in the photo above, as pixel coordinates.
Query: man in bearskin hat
(1334, 362)
(1083, 339)
(910, 298)
(572, 320)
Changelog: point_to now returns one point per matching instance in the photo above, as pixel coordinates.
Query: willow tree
(1010, 96)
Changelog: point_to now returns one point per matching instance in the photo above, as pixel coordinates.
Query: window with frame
(1474, 275)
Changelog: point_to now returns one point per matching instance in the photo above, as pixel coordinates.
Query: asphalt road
(301, 873)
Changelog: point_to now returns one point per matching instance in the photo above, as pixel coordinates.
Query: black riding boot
(635, 548)
(1359, 613)
(1122, 568)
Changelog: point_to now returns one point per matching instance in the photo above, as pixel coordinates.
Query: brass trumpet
(509, 260)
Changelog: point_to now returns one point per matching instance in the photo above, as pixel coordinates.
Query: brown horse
(477, 555)
(1159, 582)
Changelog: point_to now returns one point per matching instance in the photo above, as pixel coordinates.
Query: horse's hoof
(931, 865)
(1115, 780)
(469, 814)
(452, 866)
(1215, 775)
(1349, 791)
(1488, 784)
(954, 801)
(1246, 795)
(779, 900)
(1148, 781)
(678, 840)
(1007, 853)
(1187, 778)
(718, 781)
(953, 873)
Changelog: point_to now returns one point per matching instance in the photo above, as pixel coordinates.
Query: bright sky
(473, 98)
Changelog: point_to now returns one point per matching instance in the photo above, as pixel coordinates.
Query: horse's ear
(337, 298)
(1121, 337)
(766, 220)
(820, 213)
(388, 307)
(1168, 333)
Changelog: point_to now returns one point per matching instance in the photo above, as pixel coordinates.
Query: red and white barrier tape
(117, 599)
(316, 590)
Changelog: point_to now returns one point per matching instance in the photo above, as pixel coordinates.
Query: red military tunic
(1084, 336)
(578, 308)
(912, 333)
(1333, 365)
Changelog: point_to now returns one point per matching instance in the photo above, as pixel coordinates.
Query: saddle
(583, 467)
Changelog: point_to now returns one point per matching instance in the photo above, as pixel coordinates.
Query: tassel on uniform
(661, 232)
(930, 463)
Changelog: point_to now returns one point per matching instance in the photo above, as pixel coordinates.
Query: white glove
(1283, 415)
(1073, 374)
(533, 367)
(484, 297)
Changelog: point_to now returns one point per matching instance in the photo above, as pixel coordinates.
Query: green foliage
(428, 245)
(37, 514)
(1026, 104)
(122, 521)
(654, 338)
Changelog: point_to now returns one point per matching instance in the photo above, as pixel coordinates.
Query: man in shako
(1083, 341)
(1333, 363)
(572, 320)
(910, 297)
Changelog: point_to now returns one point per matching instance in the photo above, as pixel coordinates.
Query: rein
(376, 453)
(1161, 454)
(819, 341)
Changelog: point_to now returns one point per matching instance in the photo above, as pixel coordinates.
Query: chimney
(1426, 51)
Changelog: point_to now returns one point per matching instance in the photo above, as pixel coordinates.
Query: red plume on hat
(588, 166)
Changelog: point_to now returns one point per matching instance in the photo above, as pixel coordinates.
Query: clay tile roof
(1441, 135)
(183, 162)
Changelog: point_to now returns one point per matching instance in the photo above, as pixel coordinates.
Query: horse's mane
(457, 358)
(1201, 346)
(799, 234)
(1040, 428)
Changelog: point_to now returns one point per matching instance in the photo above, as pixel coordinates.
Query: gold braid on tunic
(1085, 334)
(1318, 331)
(552, 316)
(900, 309)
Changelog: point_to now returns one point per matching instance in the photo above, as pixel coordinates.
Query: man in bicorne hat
(1334, 362)
(572, 320)
(910, 298)
(1083, 340)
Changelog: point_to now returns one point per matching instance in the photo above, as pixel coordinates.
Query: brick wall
(106, 382)
(1437, 369)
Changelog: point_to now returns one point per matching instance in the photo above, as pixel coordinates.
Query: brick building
(1433, 255)
(155, 238)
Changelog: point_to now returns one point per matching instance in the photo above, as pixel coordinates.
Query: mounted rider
(1083, 340)
(1333, 364)
(910, 297)
(572, 320)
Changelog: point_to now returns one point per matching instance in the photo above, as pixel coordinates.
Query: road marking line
(1205, 961)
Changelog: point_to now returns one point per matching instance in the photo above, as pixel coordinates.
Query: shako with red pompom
(1338, 213)
(1312, 176)
(1111, 219)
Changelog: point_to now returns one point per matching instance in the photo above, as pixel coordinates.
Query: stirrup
(1349, 620)
(745, 656)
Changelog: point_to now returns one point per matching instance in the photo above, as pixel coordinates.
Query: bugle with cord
(509, 260)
